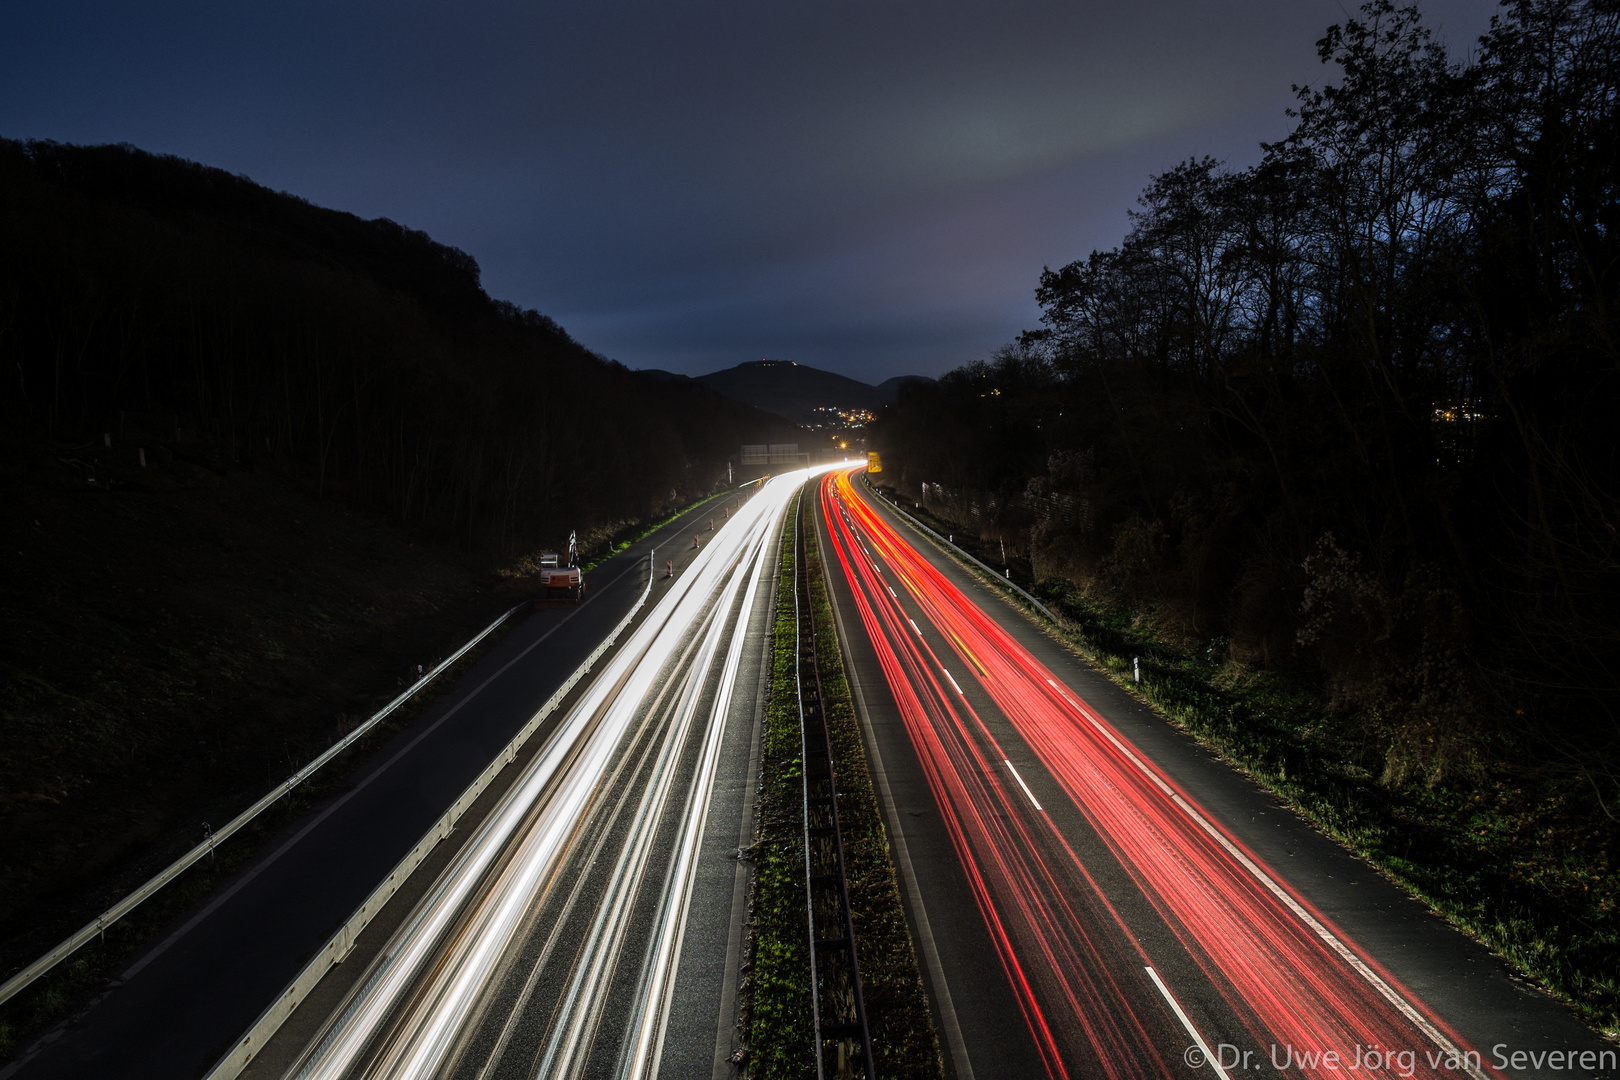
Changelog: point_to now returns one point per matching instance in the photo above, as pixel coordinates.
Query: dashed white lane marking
(1175, 1007)
(1021, 784)
(1347, 954)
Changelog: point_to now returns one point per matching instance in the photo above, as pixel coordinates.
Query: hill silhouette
(229, 421)
(795, 390)
(151, 302)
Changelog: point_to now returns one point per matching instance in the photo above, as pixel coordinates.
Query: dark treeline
(177, 306)
(1351, 411)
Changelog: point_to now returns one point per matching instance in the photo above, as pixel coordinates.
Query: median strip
(776, 1010)
(897, 1011)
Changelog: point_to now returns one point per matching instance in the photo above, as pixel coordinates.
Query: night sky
(868, 187)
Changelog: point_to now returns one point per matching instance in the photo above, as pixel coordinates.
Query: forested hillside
(1331, 443)
(170, 305)
(260, 461)
(1352, 409)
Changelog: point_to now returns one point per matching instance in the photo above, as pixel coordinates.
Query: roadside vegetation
(1519, 863)
(776, 1010)
(1330, 441)
(630, 533)
(169, 654)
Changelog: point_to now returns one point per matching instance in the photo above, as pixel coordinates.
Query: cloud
(863, 185)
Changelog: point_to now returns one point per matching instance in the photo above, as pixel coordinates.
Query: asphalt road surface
(552, 943)
(1092, 894)
(183, 1002)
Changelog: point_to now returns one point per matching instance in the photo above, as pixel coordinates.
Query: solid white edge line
(1021, 784)
(1347, 954)
(1175, 1007)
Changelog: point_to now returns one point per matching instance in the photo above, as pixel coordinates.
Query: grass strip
(775, 998)
(1523, 863)
(626, 539)
(904, 1043)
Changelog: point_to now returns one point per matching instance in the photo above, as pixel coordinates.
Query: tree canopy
(1353, 408)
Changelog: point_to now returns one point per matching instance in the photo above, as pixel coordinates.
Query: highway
(552, 944)
(1093, 895)
(190, 997)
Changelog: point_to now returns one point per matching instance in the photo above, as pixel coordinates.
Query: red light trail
(1077, 970)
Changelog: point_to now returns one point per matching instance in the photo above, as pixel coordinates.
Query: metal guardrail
(338, 947)
(1000, 580)
(24, 978)
(838, 1009)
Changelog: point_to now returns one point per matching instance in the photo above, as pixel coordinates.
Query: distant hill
(795, 391)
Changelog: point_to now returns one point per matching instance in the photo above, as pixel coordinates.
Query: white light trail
(658, 984)
(424, 1006)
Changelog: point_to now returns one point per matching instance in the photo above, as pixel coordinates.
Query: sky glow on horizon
(872, 189)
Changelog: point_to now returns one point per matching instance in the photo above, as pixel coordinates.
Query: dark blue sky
(870, 187)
